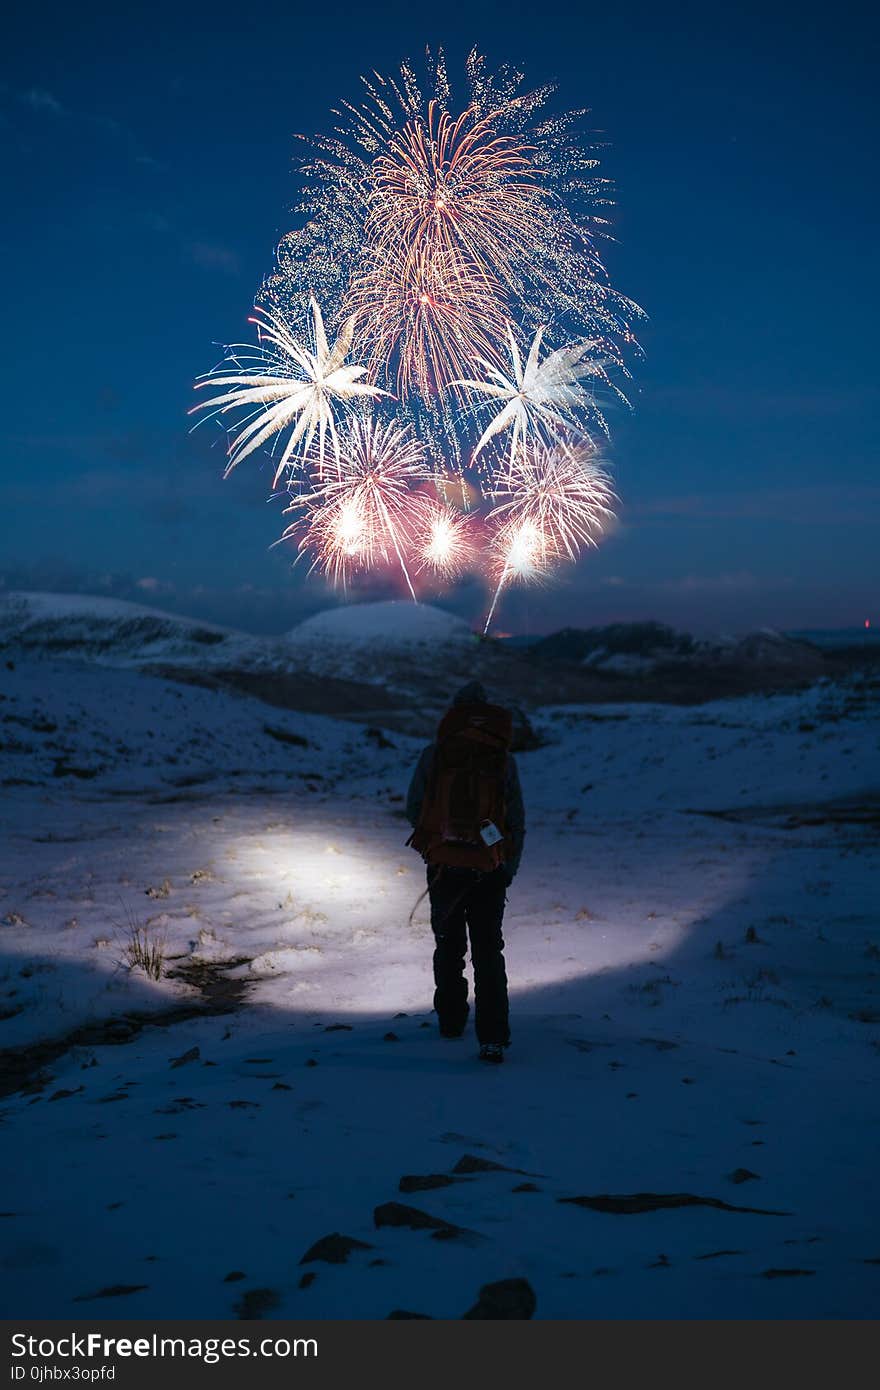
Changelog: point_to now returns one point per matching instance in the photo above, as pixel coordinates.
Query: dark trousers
(464, 901)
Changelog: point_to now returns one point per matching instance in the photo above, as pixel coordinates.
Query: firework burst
(457, 186)
(438, 228)
(541, 397)
(285, 385)
(365, 514)
(450, 243)
(447, 541)
(558, 501)
(431, 312)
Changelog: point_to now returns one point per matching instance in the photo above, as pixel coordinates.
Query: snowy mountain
(398, 663)
(642, 649)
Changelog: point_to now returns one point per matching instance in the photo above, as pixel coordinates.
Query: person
(466, 808)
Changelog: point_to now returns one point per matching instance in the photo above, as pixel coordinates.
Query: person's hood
(471, 694)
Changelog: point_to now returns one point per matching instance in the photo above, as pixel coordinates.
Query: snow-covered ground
(693, 947)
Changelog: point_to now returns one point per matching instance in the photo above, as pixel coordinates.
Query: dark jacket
(516, 818)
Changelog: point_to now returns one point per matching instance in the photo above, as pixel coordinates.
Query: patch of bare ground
(25, 1069)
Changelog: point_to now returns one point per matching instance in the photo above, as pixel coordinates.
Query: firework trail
(366, 511)
(558, 501)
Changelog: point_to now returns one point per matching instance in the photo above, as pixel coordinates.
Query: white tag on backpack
(489, 833)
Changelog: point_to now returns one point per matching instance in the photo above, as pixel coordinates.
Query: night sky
(147, 173)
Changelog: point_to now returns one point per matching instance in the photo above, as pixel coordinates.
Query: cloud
(805, 506)
(211, 256)
(149, 584)
(41, 100)
(46, 103)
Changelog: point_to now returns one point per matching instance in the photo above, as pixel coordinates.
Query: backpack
(463, 819)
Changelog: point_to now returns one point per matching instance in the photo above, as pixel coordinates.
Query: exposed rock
(111, 1291)
(647, 643)
(637, 1202)
(255, 1303)
(192, 1055)
(334, 1249)
(414, 1182)
(285, 736)
(472, 1163)
(396, 1214)
(508, 1299)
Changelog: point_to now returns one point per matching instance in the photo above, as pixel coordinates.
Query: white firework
(448, 543)
(541, 398)
(288, 385)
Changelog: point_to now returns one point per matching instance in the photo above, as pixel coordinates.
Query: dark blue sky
(147, 166)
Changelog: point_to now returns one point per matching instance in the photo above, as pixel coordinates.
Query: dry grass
(143, 948)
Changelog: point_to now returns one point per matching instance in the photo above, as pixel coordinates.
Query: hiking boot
(452, 1032)
(491, 1052)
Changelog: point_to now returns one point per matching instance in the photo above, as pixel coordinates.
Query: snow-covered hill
(390, 644)
(391, 624)
(86, 627)
(687, 1120)
(382, 642)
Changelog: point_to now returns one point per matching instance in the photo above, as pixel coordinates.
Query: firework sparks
(365, 514)
(448, 544)
(440, 228)
(450, 241)
(558, 501)
(431, 312)
(287, 385)
(543, 397)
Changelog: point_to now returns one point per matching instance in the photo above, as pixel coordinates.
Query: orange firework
(432, 310)
(457, 186)
(365, 515)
